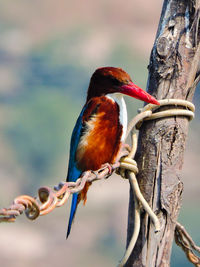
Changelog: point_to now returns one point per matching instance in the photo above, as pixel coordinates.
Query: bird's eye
(126, 81)
(116, 81)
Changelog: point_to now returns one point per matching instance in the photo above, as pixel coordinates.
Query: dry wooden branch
(173, 73)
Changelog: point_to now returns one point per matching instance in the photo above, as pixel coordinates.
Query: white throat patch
(118, 98)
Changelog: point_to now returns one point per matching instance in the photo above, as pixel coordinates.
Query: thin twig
(184, 240)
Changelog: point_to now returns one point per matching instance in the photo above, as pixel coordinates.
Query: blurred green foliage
(38, 129)
(44, 111)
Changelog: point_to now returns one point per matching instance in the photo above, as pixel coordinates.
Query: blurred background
(48, 51)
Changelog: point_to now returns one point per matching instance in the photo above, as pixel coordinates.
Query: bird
(100, 129)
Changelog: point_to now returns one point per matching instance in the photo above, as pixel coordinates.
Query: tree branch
(173, 69)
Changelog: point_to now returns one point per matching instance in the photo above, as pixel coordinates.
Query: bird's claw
(107, 166)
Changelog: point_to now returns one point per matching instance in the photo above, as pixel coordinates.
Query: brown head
(108, 80)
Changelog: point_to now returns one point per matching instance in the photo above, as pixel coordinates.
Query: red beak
(133, 90)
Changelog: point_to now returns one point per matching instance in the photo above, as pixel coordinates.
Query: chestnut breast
(102, 132)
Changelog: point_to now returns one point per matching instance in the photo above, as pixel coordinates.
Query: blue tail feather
(72, 212)
(73, 171)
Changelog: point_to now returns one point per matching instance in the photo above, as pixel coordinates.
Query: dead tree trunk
(173, 73)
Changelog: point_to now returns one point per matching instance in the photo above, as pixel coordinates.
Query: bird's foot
(108, 166)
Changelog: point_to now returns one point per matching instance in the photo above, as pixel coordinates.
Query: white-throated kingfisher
(101, 126)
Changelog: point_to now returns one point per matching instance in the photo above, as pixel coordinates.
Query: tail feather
(76, 198)
(72, 212)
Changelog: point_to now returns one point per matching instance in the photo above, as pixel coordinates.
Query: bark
(173, 73)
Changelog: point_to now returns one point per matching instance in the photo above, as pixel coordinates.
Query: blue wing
(73, 172)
